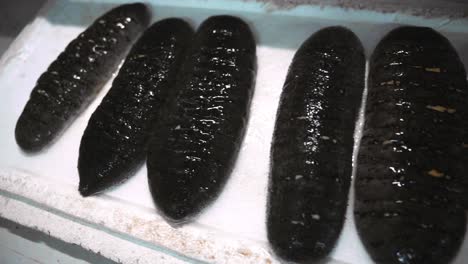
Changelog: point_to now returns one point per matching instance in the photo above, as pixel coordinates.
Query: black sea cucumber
(74, 78)
(311, 153)
(190, 160)
(413, 160)
(115, 141)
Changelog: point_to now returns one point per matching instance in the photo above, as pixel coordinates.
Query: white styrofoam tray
(40, 190)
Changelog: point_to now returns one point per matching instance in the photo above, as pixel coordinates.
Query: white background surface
(239, 213)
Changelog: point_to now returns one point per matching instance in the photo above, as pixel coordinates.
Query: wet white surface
(239, 212)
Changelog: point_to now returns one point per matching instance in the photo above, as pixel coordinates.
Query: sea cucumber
(115, 141)
(311, 152)
(191, 158)
(74, 78)
(411, 173)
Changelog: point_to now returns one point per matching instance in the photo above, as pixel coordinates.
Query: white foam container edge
(40, 191)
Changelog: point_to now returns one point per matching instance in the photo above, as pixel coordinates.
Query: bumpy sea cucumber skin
(311, 153)
(190, 160)
(412, 164)
(115, 141)
(74, 78)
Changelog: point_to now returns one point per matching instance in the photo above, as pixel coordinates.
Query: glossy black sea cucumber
(192, 157)
(74, 78)
(115, 141)
(311, 153)
(411, 173)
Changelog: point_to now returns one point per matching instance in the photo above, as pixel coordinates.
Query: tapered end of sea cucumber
(99, 172)
(176, 205)
(86, 190)
(139, 11)
(27, 143)
(28, 138)
(177, 213)
(295, 251)
(91, 180)
(420, 236)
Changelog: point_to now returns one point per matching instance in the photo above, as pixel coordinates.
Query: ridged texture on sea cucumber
(74, 78)
(311, 154)
(412, 164)
(190, 160)
(115, 141)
